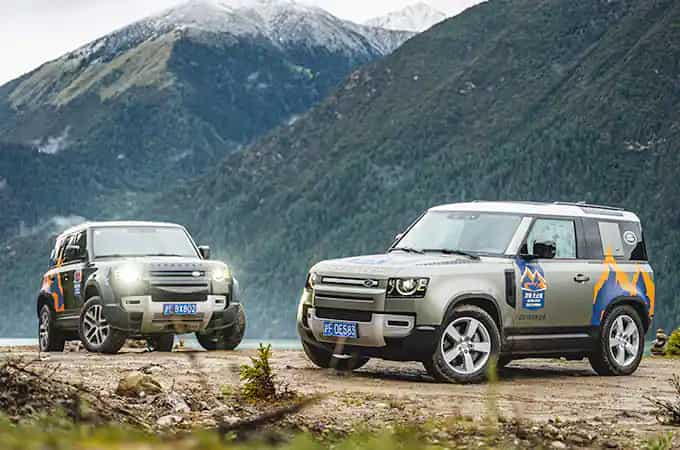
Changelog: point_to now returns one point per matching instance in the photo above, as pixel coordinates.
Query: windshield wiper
(164, 254)
(407, 250)
(448, 251)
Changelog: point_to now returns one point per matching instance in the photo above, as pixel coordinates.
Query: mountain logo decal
(533, 285)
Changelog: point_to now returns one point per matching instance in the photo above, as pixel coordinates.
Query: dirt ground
(545, 392)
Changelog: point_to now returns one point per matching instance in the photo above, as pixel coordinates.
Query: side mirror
(545, 249)
(204, 250)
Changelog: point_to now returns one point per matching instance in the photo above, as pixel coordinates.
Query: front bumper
(141, 315)
(379, 338)
(371, 334)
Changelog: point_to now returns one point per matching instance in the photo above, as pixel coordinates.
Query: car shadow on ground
(510, 373)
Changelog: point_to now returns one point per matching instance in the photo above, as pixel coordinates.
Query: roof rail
(589, 205)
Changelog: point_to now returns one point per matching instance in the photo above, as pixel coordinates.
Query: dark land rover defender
(111, 281)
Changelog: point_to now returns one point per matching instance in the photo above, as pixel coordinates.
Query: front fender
(447, 293)
(235, 291)
(97, 284)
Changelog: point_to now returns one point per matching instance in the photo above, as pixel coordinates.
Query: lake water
(189, 340)
(247, 344)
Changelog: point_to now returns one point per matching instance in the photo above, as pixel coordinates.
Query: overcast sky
(35, 31)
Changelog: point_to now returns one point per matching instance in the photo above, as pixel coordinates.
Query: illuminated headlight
(407, 287)
(222, 274)
(128, 274)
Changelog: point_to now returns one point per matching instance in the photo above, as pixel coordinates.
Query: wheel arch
(44, 299)
(480, 300)
(637, 303)
(92, 289)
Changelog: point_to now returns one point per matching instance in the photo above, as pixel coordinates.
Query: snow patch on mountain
(417, 18)
(283, 22)
(136, 56)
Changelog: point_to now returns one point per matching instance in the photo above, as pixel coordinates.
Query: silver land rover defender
(472, 286)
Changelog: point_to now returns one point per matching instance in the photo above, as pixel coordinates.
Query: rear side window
(610, 237)
(622, 240)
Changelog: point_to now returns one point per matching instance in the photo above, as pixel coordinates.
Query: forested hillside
(518, 100)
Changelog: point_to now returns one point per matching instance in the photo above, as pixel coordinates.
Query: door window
(561, 232)
(58, 252)
(75, 240)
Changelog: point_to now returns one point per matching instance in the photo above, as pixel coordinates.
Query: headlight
(128, 274)
(407, 287)
(221, 274)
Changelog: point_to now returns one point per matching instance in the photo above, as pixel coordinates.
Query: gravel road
(383, 393)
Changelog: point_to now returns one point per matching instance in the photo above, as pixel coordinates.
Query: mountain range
(512, 99)
(161, 100)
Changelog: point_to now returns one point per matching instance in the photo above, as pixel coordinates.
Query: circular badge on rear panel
(630, 238)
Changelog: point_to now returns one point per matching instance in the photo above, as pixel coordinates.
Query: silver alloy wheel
(466, 345)
(95, 327)
(44, 329)
(624, 340)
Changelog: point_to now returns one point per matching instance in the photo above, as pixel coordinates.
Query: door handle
(580, 278)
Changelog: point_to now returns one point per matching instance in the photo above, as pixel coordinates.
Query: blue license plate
(180, 309)
(340, 329)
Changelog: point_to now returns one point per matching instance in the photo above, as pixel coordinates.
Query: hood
(171, 264)
(389, 262)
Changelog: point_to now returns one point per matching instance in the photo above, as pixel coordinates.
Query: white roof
(128, 223)
(543, 209)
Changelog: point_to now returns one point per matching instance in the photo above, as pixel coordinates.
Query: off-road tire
(54, 338)
(325, 359)
(601, 359)
(502, 362)
(440, 370)
(161, 343)
(115, 339)
(429, 368)
(227, 339)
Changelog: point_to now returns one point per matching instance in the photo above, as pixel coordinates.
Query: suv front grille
(344, 314)
(178, 286)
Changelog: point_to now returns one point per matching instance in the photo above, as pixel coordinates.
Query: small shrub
(668, 411)
(258, 377)
(673, 345)
(663, 442)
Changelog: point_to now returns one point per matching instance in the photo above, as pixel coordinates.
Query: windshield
(472, 232)
(141, 241)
